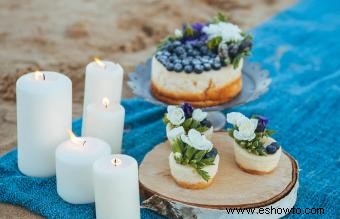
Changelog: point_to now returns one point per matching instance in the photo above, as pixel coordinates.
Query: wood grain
(232, 187)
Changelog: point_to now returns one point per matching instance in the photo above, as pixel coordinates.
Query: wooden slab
(231, 188)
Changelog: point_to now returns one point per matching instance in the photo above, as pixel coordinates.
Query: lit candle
(105, 120)
(74, 160)
(102, 79)
(116, 187)
(44, 112)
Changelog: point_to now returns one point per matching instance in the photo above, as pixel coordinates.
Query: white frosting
(188, 174)
(192, 83)
(208, 133)
(254, 162)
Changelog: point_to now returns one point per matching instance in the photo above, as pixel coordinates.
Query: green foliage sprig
(188, 124)
(192, 157)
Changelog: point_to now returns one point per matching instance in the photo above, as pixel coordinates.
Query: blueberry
(206, 123)
(185, 61)
(245, 45)
(272, 148)
(170, 66)
(176, 43)
(178, 67)
(187, 109)
(177, 60)
(207, 66)
(205, 59)
(171, 59)
(211, 154)
(216, 65)
(159, 53)
(188, 47)
(223, 50)
(233, 50)
(204, 49)
(179, 51)
(196, 53)
(198, 68)
(188, 68)
(196, 62)
(183, 56)
(166, 53)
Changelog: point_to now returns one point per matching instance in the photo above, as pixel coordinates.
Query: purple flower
(188, 109)
(261, 124)
(197, 27)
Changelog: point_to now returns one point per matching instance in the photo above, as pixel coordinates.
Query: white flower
(227, 31)
(246, 130)
(175, 133)
(197, 140)
(175, 115)
(199, 115)
(235, 118)
(178, 33)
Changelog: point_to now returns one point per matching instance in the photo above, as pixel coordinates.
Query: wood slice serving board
(232, 188)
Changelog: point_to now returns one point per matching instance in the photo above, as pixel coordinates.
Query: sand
(65, 35)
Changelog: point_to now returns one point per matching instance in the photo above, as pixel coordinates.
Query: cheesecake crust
(255, 172)
(199, 185)
(212, 96)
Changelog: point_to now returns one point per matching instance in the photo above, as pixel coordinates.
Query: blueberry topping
(232, 51)
(176, 43)
(188, 109)
(272, 148)
(179, 51)
(211, 154)
(245, 45)
(170, 66)
(188, 68)
(207, 66)
(206, 123)
(196, 62)
(216, 65)
(178, 67)
(186, 61)
(198, 68)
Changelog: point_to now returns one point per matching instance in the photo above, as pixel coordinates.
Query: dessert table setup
(225, 124)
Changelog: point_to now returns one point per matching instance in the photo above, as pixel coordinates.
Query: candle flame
(74, 138)
(99, 62)
(116, 161)
(106, 102)
(38, 75)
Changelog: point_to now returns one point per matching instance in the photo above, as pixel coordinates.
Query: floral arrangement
(204, 46)
(183, 118)
(194, 150)
(248, 133)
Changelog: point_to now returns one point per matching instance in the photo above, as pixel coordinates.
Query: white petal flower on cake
(175, 133)
(199, 115)
(178, 33)
(196, 140)
(177, 155)
(235, 118)
(175, 115)
(246, 130)
(228, 31)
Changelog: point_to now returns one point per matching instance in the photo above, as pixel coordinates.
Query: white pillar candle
(102, 79)
(105, 121)
(116, 187)
(74, 160)
(44, 112)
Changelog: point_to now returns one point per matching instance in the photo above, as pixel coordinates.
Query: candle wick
(43, 76)
(84, 143)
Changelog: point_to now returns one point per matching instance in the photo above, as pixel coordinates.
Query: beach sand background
(64, 36)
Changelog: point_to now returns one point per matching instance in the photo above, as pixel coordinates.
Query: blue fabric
(300, 47)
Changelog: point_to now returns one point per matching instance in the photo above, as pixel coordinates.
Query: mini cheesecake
(256, 164)
(207, 88)
(207, 133)
(187, 177)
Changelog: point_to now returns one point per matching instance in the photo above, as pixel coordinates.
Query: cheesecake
(201, 64)
(255, 151)
(193, 161)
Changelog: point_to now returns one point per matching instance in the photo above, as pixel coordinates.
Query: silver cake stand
(255, 83)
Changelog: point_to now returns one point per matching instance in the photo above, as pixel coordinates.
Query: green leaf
(199, 155)
(202, 129)
(214, 42)
(219, 18)
(165, 119)
(189, 152)
(177, 146)
(188, 31)
(187, 124)
(269, 132)
(204, 174)
(194, 124)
